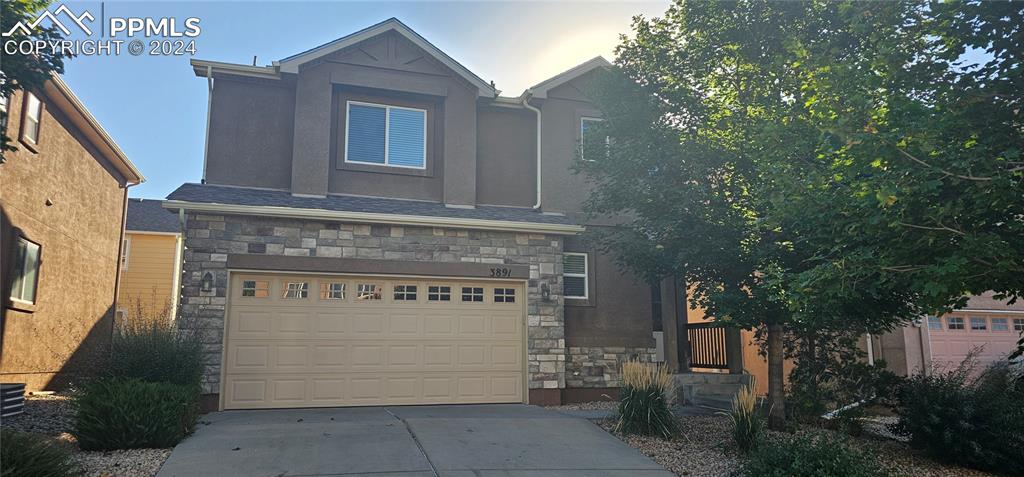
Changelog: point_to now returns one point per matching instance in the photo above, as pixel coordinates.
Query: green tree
(744, 152)
(21, 71)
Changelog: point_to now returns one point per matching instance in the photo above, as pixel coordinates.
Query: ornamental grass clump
(644, 401)
(26, 454)
(747, 424)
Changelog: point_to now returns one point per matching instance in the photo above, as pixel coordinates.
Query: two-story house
(376, 224)
(63, 194)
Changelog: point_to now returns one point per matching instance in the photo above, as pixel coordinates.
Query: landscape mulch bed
(704, 449)
(52, 415)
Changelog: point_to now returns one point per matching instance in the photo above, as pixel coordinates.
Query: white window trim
(584, 275)
(35, 293)
(607, 140)
(125, 253)
(28, 117)
(387, 133)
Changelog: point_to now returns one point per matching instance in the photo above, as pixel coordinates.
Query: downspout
(209, 109)
(526, 104)
(871, 350)
(120, 251)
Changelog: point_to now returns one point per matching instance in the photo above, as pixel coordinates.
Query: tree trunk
(776, 386)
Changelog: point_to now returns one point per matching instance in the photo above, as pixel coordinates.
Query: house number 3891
(501, 272)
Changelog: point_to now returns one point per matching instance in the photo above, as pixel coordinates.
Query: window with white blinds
(574, 272)
(386, 135)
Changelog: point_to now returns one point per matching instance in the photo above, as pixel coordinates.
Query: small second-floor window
(26, 271)
(386, 135)
(33, 116)
(587, 127)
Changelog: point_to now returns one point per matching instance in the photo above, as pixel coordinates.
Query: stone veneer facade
(211, 238)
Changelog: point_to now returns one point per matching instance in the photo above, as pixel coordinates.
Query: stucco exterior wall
(79, 237)
(212, 239)
(147, 279)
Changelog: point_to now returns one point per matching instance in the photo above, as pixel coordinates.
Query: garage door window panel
(999, 324)
(439, 293)
(256, 288)
(369, 292)
(405, 293)
(295, 290)
(473, 294)
(332, 291)
(504, 295)
(955, 323)
(1018, 324)
(978, 324)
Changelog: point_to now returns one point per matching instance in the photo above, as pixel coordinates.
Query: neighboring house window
(33, 116)
(26, 271)
(472, 294)
(368, 291)
(405, 292)
(999, 324)
(955, 323)
(3, 113)
(439, 293)
(386, 135)
(296, 290)
(126, 247)
(332, 291)
(1018, 324)
(256, 288)
(934, 323)
(979, 324)
(574, 269)
(504, 295)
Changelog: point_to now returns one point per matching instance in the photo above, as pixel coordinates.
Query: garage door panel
(331, 349)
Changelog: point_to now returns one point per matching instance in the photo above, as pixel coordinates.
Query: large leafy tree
(25, 71)
(815, 166)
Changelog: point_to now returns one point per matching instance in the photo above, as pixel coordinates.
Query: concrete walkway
(412, 441)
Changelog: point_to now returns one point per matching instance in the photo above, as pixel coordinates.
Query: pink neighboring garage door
(953, 335)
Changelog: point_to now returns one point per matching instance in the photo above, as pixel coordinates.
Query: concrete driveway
(414, 441)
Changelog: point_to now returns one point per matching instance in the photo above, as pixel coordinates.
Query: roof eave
(203, 68)
(540, 90)
(376, 218)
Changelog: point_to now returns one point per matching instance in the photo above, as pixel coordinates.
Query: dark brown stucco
(69, 325)
(506, 160)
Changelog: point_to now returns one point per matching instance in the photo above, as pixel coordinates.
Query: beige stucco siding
(147, 280)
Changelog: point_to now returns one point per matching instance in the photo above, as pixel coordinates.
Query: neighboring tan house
(378, 225)
(150, 262)
(63, 195)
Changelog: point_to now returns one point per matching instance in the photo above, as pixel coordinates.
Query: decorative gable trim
(292, 63)
(540, 91)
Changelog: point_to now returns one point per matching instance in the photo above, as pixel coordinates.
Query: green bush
(156, 351)
(116, 413)
(965, 418)
(644, 401)
(24, 454)
(809, 456)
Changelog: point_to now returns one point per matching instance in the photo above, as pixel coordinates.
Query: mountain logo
(78, 21)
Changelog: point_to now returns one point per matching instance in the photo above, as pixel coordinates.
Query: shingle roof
(148, 215)
(212, 194)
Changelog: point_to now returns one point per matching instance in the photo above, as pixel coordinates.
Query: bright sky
(155, 108)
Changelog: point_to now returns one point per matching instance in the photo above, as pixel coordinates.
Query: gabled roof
(541, 89)
(149, 215)
(291, 64)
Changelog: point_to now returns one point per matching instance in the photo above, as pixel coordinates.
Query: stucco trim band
(375, 218)
(286, 263)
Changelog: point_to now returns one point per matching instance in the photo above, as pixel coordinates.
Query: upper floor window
(587, 126)
(386, 135)
(26, 271)
(574, 271)
(32, 117)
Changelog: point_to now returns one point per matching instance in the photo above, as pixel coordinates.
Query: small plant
(644, 401)
(809, 456)
(25, 454)
(154, 349)
(966, 418)
(747, 424)
(117, 413)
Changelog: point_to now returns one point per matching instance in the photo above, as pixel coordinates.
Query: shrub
(25, 454)
(809, 456)
(966, 418)
(117, 413)
(644, 401)
(155, 350)
(747, 425)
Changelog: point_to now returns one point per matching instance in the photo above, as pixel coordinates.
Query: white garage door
(954, 335)
(306, 341)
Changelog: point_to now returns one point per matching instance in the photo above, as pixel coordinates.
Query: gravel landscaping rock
(704, 448)
(52, 415)
(587, 406)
